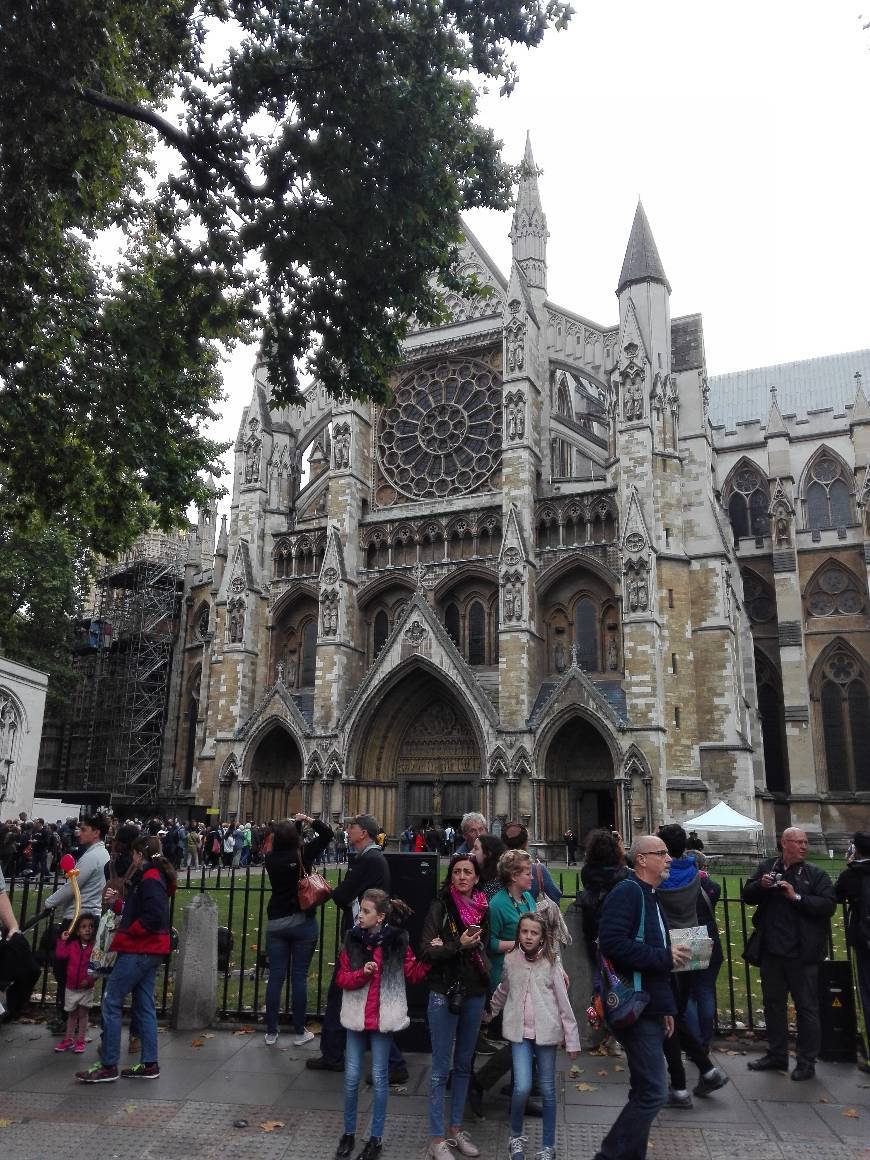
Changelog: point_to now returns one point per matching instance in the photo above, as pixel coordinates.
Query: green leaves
(321, 167)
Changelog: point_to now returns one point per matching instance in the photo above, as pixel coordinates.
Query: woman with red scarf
(455, 934)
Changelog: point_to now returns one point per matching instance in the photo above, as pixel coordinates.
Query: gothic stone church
(561, 577)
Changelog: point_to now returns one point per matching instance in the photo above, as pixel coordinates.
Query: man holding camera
(795, 900)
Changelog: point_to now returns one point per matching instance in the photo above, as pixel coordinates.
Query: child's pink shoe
(65, 1045)
(79, 1047)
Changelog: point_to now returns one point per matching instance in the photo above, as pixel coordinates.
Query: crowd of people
(489, 953)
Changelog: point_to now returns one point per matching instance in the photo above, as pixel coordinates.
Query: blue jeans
(332, 1034)
(290, 948)
(354, 1055)
(647, 1093)
(524, 1055)
(452, 1036)
(700, 1013)
(136, 974)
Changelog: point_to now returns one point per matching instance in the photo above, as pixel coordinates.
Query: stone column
(194, 1003)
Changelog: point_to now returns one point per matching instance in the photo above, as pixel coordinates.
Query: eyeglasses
(655, 853)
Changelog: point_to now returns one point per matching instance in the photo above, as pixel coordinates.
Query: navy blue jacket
(620, 919)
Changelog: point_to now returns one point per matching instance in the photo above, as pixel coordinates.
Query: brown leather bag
(312, 889)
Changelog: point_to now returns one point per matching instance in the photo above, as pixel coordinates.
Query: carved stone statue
(612, 654)
(341, 446)
(329, 613)
(236, 622)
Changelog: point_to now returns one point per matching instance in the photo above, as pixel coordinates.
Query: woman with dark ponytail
(141, 941)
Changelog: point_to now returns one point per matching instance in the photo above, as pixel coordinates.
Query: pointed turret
(529, 228)
(642, 262)
(221, 553)
(775, 424)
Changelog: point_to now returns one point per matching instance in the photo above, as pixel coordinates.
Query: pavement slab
(212, 1079)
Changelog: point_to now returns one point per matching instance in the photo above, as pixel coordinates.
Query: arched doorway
(579, 790)
(273, 790)
(420, 757)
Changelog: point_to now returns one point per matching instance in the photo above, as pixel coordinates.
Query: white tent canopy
(722, 817)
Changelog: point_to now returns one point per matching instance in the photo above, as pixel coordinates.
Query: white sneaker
(271, 1038)
(304, 1038)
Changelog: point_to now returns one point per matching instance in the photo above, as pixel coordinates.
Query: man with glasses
(632, 906)
(795, 901)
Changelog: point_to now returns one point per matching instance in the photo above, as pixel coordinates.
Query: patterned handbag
(622, 1001)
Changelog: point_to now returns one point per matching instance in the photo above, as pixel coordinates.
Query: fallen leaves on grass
(272, 1125)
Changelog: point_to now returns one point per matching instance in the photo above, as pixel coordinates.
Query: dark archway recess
(772, 713)
(273, 791)
(579, 790)
(419, 757)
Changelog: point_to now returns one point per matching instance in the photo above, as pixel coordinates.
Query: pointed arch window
(586, 634)
(748, 500)
(759, 597)
(380, 632)
(772, 713)
(834, 591)
(476, 634)
(828, 494)
(308, 660)
(844, 705)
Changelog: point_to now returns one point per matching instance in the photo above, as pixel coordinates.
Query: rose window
(442, 434)
(835, 592)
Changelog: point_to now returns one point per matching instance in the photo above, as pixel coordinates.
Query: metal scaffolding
(124, 656)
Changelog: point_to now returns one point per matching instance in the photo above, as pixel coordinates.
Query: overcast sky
(744, 129)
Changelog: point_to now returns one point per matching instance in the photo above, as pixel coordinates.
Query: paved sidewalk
(202, 1090)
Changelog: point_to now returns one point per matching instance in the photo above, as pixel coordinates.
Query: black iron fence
(242, 897)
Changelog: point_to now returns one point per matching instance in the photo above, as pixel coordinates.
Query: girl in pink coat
(74, 948)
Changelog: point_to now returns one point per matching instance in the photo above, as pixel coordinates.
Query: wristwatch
(797, 898)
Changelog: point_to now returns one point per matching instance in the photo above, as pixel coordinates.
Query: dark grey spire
(642, 262)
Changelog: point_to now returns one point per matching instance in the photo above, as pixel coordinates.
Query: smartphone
(473, 929)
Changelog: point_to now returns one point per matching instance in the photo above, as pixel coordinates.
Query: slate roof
(801, 387)
(642, 262)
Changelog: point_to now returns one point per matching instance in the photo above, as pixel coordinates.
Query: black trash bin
(837, 1012)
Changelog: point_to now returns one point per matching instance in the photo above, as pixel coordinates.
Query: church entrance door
(579, 791)
(273, 791)
(421, 758)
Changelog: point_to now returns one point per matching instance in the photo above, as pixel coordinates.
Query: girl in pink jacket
(74, 948)
(537, 1018)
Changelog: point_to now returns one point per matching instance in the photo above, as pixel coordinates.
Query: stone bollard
(579, 970)
(194, 1003)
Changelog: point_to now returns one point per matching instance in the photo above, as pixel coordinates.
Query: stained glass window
(442, 435)
(586, 634)
(828, 495)
(476, 634)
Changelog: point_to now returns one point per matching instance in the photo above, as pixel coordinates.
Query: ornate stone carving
(637, 586)
(236, 621)
(515, 340)
(329, 575)
(515, 416)
(329, 612)
(416, 633)
(341, 446)
(632, 399)
(512, 597)
(252, 453)
(511, 557)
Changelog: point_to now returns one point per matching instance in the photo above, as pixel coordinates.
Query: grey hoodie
(92, 883)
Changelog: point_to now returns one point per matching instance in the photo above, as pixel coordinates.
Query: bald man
(795, 901)
(632, 908)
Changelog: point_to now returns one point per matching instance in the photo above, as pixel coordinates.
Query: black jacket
(651, 955)
(369, 871)
(282, 866)
(849, 890)
(805, 923)
(452, 963)
(597, 881)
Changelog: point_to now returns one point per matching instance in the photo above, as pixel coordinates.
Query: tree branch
(174, 136)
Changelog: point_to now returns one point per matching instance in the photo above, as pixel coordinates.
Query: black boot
(345, 1146)
(372, 1149)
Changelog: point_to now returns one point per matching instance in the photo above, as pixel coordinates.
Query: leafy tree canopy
(320, 167)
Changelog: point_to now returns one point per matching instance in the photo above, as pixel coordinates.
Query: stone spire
(642, 262)
(529, 228)
(775, 424)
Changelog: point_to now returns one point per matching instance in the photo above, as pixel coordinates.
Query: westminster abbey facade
(562, 576)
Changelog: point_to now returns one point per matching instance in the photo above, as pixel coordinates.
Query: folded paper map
(698, 942)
